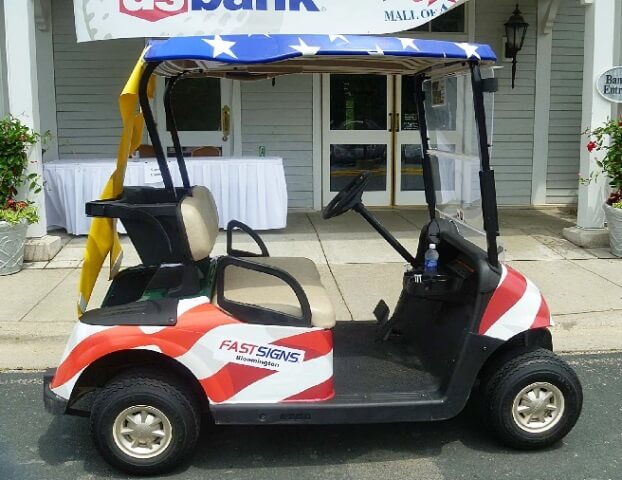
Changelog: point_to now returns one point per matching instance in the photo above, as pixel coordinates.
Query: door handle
(225, 122)
(390, 122)
(397, 122)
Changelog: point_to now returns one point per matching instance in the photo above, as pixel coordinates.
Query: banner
(103, 240)
(103, 20)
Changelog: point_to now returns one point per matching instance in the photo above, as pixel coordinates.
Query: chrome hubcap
(142, 431)
(538, 407)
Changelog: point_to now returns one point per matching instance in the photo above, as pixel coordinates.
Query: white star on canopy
(332, 38)
(221, 46)
(304, 48)
(378, 51)
(470, 50)
(409, 42)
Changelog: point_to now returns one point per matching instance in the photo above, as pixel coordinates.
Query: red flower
(21, 204)
(591, 146)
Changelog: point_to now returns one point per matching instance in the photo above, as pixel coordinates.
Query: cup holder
(422, 284)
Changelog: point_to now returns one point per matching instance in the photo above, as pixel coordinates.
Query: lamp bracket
(550, 16)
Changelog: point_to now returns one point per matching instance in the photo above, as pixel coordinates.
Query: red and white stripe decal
(516, 306)
(234, 362)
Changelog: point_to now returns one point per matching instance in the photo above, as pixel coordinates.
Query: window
(357, 102)
(454, 21)
(196, 103)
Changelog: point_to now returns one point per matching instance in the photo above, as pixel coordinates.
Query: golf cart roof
(264, 56)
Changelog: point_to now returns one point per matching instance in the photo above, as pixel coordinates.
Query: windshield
(454, 151)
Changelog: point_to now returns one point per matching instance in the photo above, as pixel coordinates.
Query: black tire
(137, 389)
(546, 372)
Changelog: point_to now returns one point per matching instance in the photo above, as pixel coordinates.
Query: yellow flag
(103, 237)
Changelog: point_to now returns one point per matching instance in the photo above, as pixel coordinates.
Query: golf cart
(249, 339)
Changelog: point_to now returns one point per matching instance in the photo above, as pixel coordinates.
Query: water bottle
(431, 259)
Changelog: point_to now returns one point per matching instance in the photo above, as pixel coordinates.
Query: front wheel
(532, 400)
(144, 424)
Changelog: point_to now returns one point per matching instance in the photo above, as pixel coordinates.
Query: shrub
(15, 141)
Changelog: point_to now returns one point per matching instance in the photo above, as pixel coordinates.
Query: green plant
(15, 140)
(17, 212)
(608, 139)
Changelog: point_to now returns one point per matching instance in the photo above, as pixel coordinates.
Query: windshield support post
(486, 174)
(428, 176)
(152, 129)
(170, 115)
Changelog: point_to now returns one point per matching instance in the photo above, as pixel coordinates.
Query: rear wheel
(143, 424)
(532, 400)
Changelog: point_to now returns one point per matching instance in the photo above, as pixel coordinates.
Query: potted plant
(15, 215)
(608, 139)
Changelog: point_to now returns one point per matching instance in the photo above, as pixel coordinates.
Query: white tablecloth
(252, 190)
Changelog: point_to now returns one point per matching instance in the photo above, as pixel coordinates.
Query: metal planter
(614, 222)
(12, 241)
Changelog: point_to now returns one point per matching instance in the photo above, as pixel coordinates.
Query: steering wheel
(348, 198)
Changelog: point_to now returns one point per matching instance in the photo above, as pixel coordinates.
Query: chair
(146, 151)
(207, 152)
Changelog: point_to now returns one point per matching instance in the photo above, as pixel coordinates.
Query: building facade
(318, 124)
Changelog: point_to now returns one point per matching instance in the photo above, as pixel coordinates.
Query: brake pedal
(381, 312)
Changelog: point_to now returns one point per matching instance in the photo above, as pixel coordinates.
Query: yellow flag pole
(103, 239)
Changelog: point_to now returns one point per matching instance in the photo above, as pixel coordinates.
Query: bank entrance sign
(103, 20)
(609, 84)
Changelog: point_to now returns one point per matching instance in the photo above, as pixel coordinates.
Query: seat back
(146, 151)
(199, 222)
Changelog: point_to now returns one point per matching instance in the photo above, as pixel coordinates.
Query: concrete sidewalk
(583, 287)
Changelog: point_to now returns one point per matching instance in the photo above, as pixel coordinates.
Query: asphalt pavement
(35, 445)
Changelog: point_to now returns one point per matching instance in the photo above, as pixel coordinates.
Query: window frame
(230, 96)
(466, 36)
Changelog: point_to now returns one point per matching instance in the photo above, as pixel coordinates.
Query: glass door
(203, 114)
(445, 117)
(358, 125)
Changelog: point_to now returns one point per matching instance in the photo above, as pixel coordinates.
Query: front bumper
(52, 402)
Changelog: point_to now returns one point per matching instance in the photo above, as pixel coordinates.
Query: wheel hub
(538, 407)
(142, 431)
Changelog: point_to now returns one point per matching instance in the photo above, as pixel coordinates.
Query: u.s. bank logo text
(156, 10)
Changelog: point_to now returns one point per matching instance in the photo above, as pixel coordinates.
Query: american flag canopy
(270, 55)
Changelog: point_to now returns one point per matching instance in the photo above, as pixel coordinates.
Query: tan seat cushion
(255, 288)
(199, 217)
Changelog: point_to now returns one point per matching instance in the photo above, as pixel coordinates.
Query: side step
(352, 409)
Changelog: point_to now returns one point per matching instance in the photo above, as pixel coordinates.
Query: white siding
(566, 98)
(280, 117)
(514, 109)
(4, 104)
(45, 80)
(89, 78)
